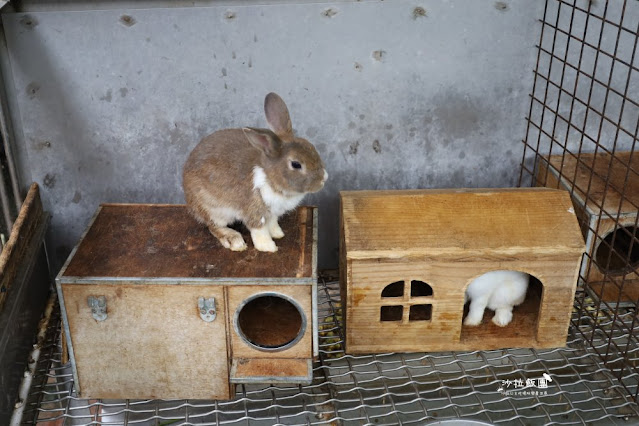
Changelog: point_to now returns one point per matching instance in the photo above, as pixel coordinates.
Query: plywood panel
(394, 224)
(153, 343)
(592, 176)
(540, 322)
(138, 240)
(271, 370)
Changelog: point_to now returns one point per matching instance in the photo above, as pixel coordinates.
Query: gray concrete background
(107, 104)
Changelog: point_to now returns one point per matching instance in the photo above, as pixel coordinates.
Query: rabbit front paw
(274, 229)
(262, 240)
(229, 238)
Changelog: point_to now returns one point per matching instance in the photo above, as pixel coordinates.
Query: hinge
(98, 305)
(208, 312)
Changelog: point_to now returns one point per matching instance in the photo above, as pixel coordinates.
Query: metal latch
(98, 305)
(208, 312)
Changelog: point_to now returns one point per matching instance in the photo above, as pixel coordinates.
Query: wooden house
(406, 258)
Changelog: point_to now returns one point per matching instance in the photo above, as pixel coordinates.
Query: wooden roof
(393, 224)
(163, 241)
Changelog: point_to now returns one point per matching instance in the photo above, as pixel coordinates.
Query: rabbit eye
(296, 165)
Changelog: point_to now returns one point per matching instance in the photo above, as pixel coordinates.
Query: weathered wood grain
(24, 228)
(135, 240)
(153, 343)
(461, 222)
(153, 262)
(446, 239)
(246, 370)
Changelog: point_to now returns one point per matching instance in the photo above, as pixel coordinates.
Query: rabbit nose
(325, 175)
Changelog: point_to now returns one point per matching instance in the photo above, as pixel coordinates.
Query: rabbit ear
(277, 116)
(263, 140)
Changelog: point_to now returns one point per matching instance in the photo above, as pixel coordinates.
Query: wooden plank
(617, 290)
(250, 370)
(397, 224)
(547, 177)
(25, 281)
(25, 227)
(592, 176)
(153, 343)
(138, 240)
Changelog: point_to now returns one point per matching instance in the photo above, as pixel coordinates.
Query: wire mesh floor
(517, 386)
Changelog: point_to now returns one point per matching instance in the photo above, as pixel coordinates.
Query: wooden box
(154, 307)
(408, 256)
(606, 200)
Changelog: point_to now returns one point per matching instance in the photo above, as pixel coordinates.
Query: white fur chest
(278, 203)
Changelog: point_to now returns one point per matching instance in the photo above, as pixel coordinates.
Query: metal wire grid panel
(500, 387)
(581, 136)
(584, 102)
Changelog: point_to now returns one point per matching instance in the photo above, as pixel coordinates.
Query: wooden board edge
(77, 246)
(405, 192)
(25, 228)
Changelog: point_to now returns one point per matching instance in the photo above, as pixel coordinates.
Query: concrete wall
(106, 104)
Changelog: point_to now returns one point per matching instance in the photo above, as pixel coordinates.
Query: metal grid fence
(584, 108)
(581, 136)
(500, 387)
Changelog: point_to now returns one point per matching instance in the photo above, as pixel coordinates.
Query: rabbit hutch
(134, 282)
(101, 103)
(407, 258)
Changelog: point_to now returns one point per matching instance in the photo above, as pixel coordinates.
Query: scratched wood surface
(379, 249)
(153, 343)
(24, 229)
(137, 240)
(246, 368)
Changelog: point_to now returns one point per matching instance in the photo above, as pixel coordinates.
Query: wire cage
(581, 136)
(584, 109)
(381, 389)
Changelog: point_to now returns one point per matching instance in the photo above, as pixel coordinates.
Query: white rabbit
(496, 290)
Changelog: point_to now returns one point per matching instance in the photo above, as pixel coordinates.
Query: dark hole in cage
(391, 313)
(618, 252)
(395, 289)
(420, 288)
(420, 313)
(270, 322)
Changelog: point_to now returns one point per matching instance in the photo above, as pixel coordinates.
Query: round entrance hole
(618, 252)
(270, 322)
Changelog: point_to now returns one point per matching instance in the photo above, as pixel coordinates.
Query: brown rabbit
(253, 176)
